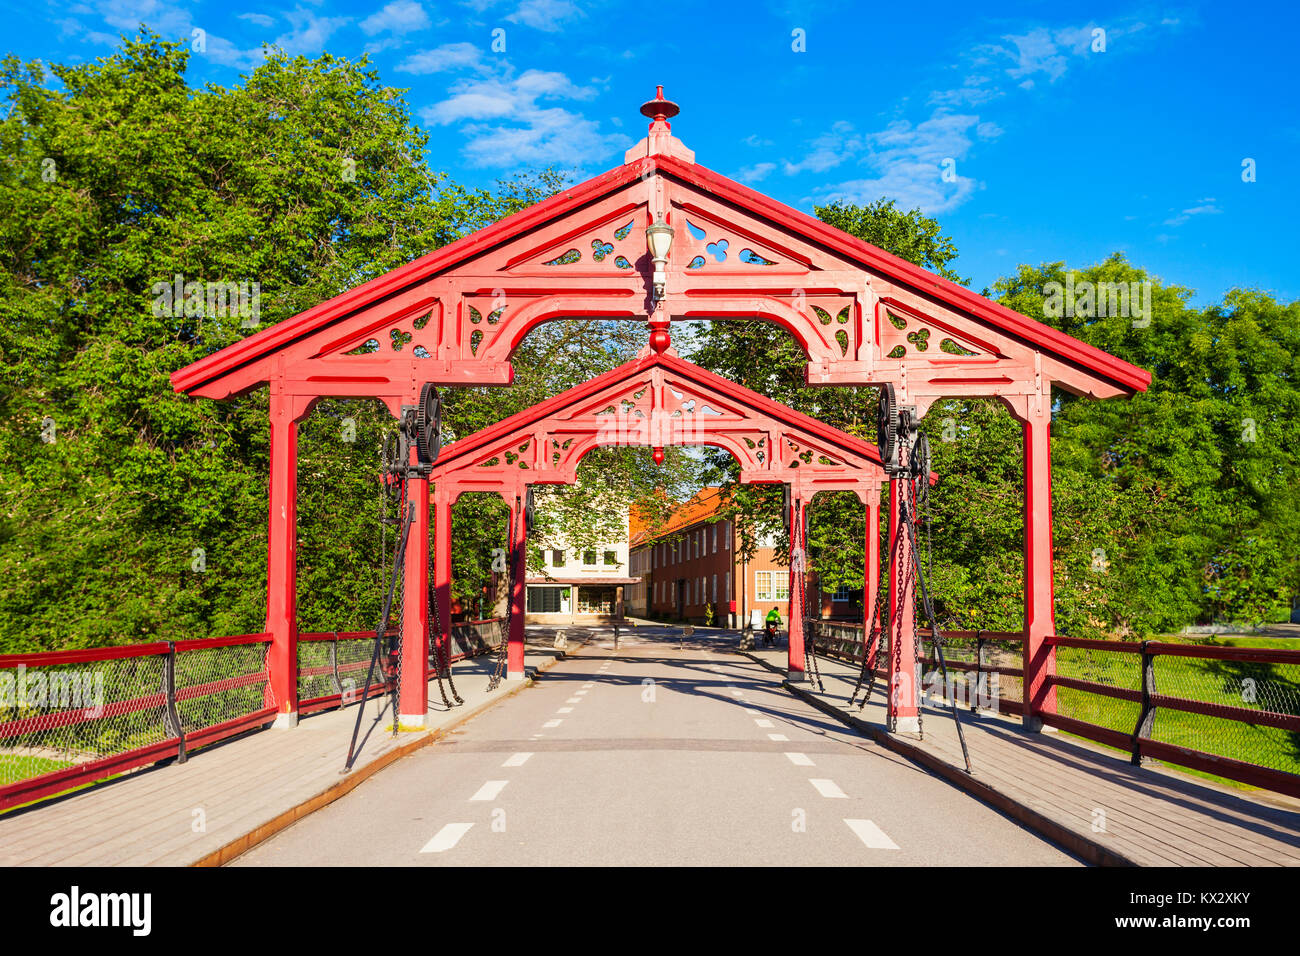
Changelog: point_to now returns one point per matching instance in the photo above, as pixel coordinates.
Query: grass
(1232, 683)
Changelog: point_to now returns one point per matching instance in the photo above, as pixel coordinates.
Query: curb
(241, 845)
(1077, 843)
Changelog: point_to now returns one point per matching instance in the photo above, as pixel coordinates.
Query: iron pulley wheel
(887, 424)
(921, 461)
(428, 425)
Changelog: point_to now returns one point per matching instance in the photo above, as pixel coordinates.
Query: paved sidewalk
(235, 793)
(1145, 816)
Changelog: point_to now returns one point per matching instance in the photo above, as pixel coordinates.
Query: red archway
(862, 316)
(655, 400)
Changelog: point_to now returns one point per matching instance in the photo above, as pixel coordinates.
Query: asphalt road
(653, 756)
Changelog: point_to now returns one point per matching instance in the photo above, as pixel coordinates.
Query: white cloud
(170, 20)
(400, 16)
(828, 150)
(909, 164)
(310, 33)
(261, 19)
(545, 15)
(505, 124)
(755, 173)
(449, 56)
(1206, 208)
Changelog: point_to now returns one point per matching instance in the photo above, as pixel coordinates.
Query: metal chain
(441, 651)
(503, 645)
(877, 623)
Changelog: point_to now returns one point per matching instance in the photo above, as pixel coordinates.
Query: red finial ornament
(659, 109)
(658, 455)
(659, 341)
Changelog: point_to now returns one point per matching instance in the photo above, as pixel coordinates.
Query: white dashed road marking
(763, 723)
(518, 760)
(490, 790)
(779, 737)
(553, 723)
(565, 710)
(828, 788)
(799, 760)
(446, 838)
(871, 835)
(574, 700)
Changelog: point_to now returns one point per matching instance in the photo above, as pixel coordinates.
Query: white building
(579, 586)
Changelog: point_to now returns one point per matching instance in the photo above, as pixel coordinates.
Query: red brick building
(691, 563)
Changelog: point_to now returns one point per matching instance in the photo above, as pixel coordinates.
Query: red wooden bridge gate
(657, 240)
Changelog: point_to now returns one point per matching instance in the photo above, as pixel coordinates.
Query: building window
(589, 558)
(771, 586)
(610, 557)
(544, 600)
(715, 539)
(557, 558)
(842, 594)
(726, 584)
(780, 586)
(715, 588)
(726, 535)
(595, 600)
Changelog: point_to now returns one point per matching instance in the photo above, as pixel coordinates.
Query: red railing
(332, 665)
(1273, 686)
(69, 718)
(1273, 683)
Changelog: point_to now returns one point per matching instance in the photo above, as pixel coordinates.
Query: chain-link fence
(332, 668)
(1230, 711)
(69, 718)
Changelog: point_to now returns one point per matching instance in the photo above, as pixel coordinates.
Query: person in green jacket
(769, 630)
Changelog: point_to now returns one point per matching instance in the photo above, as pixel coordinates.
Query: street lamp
(659, 239)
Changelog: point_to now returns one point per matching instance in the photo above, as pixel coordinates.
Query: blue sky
(1055, 149)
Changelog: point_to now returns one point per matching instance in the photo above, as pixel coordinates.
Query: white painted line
(553, 723)
(579, 693)
(780, 737)
(763, 723)
(827, 788)
(519, 759)
(799, 760)
(446, 838)
(752, 711)
(574, 700)
(490, 790)
(871, 835)
(587, 685)
(737, 693)
(565, 710)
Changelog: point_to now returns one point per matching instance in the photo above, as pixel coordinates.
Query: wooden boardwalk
(1147, 816)
(235, 793)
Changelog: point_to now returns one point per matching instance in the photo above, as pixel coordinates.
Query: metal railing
(1232, 712)
(68, 718)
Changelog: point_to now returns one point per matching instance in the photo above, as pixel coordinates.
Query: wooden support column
(795, 518)
(871, 562)
(904, 715)
(518, 568)
(413, 702)
(1040, 604)
(282, 556)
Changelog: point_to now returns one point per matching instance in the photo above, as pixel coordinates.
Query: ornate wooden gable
(861, 315)
(659, 401)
